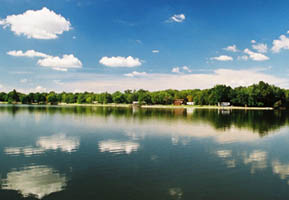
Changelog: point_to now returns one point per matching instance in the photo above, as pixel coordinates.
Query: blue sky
(108, 45)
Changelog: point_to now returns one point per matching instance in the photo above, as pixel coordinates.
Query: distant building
(179, 102)
(224, 104)
(137, 103)
(190, 103)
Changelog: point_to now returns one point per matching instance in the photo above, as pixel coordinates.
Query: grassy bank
(209, 107)
(98, 105)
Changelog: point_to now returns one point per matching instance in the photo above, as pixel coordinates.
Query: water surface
(120, 153)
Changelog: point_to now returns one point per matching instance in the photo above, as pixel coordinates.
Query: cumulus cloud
(183, 68)
(61, 63)
(39, 88)
(155, 51)
(120, 61)
(261, 48)
(282, 43)
(135, 74)
(232, 48)
(54, 62)
(176, 70)
(256, 56)
(37, 24)
(186, 68)
(222, 58)
(177, 18)
(253, 41)
(29, 53)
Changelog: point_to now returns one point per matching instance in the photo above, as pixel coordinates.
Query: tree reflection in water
(261, 121)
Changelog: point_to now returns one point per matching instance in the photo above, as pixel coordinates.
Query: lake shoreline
(209, 107)
(155, 106)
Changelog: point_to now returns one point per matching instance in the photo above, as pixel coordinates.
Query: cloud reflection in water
(59, 141)
(36, 180)
(54, 142)
(115, 146)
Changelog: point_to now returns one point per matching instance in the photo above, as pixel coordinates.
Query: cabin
(178, 102)
(190, 103)
(224, 104)
(137, 103)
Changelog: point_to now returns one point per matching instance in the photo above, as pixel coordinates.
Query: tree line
(256, 95)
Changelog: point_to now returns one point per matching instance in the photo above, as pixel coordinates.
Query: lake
(142, 154)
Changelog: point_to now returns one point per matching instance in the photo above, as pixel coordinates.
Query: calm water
(112, 153)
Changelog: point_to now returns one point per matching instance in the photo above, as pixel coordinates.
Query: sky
(110, 45)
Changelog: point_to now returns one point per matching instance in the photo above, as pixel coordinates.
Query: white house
(224, 104)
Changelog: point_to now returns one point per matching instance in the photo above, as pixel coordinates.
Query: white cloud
(222, 58)
(186, 68)
(253, 41)
(177, 18)
(256, 56)
(37, 24)
(40, 89)
(155, 82)
(56, 63)
(120, 61)
(29, 53)
(282, 43)
(244, 57)
(135, 73)
(232, 48)
(176, 70)
(61, 64)
(261, 48)
(155, 51)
